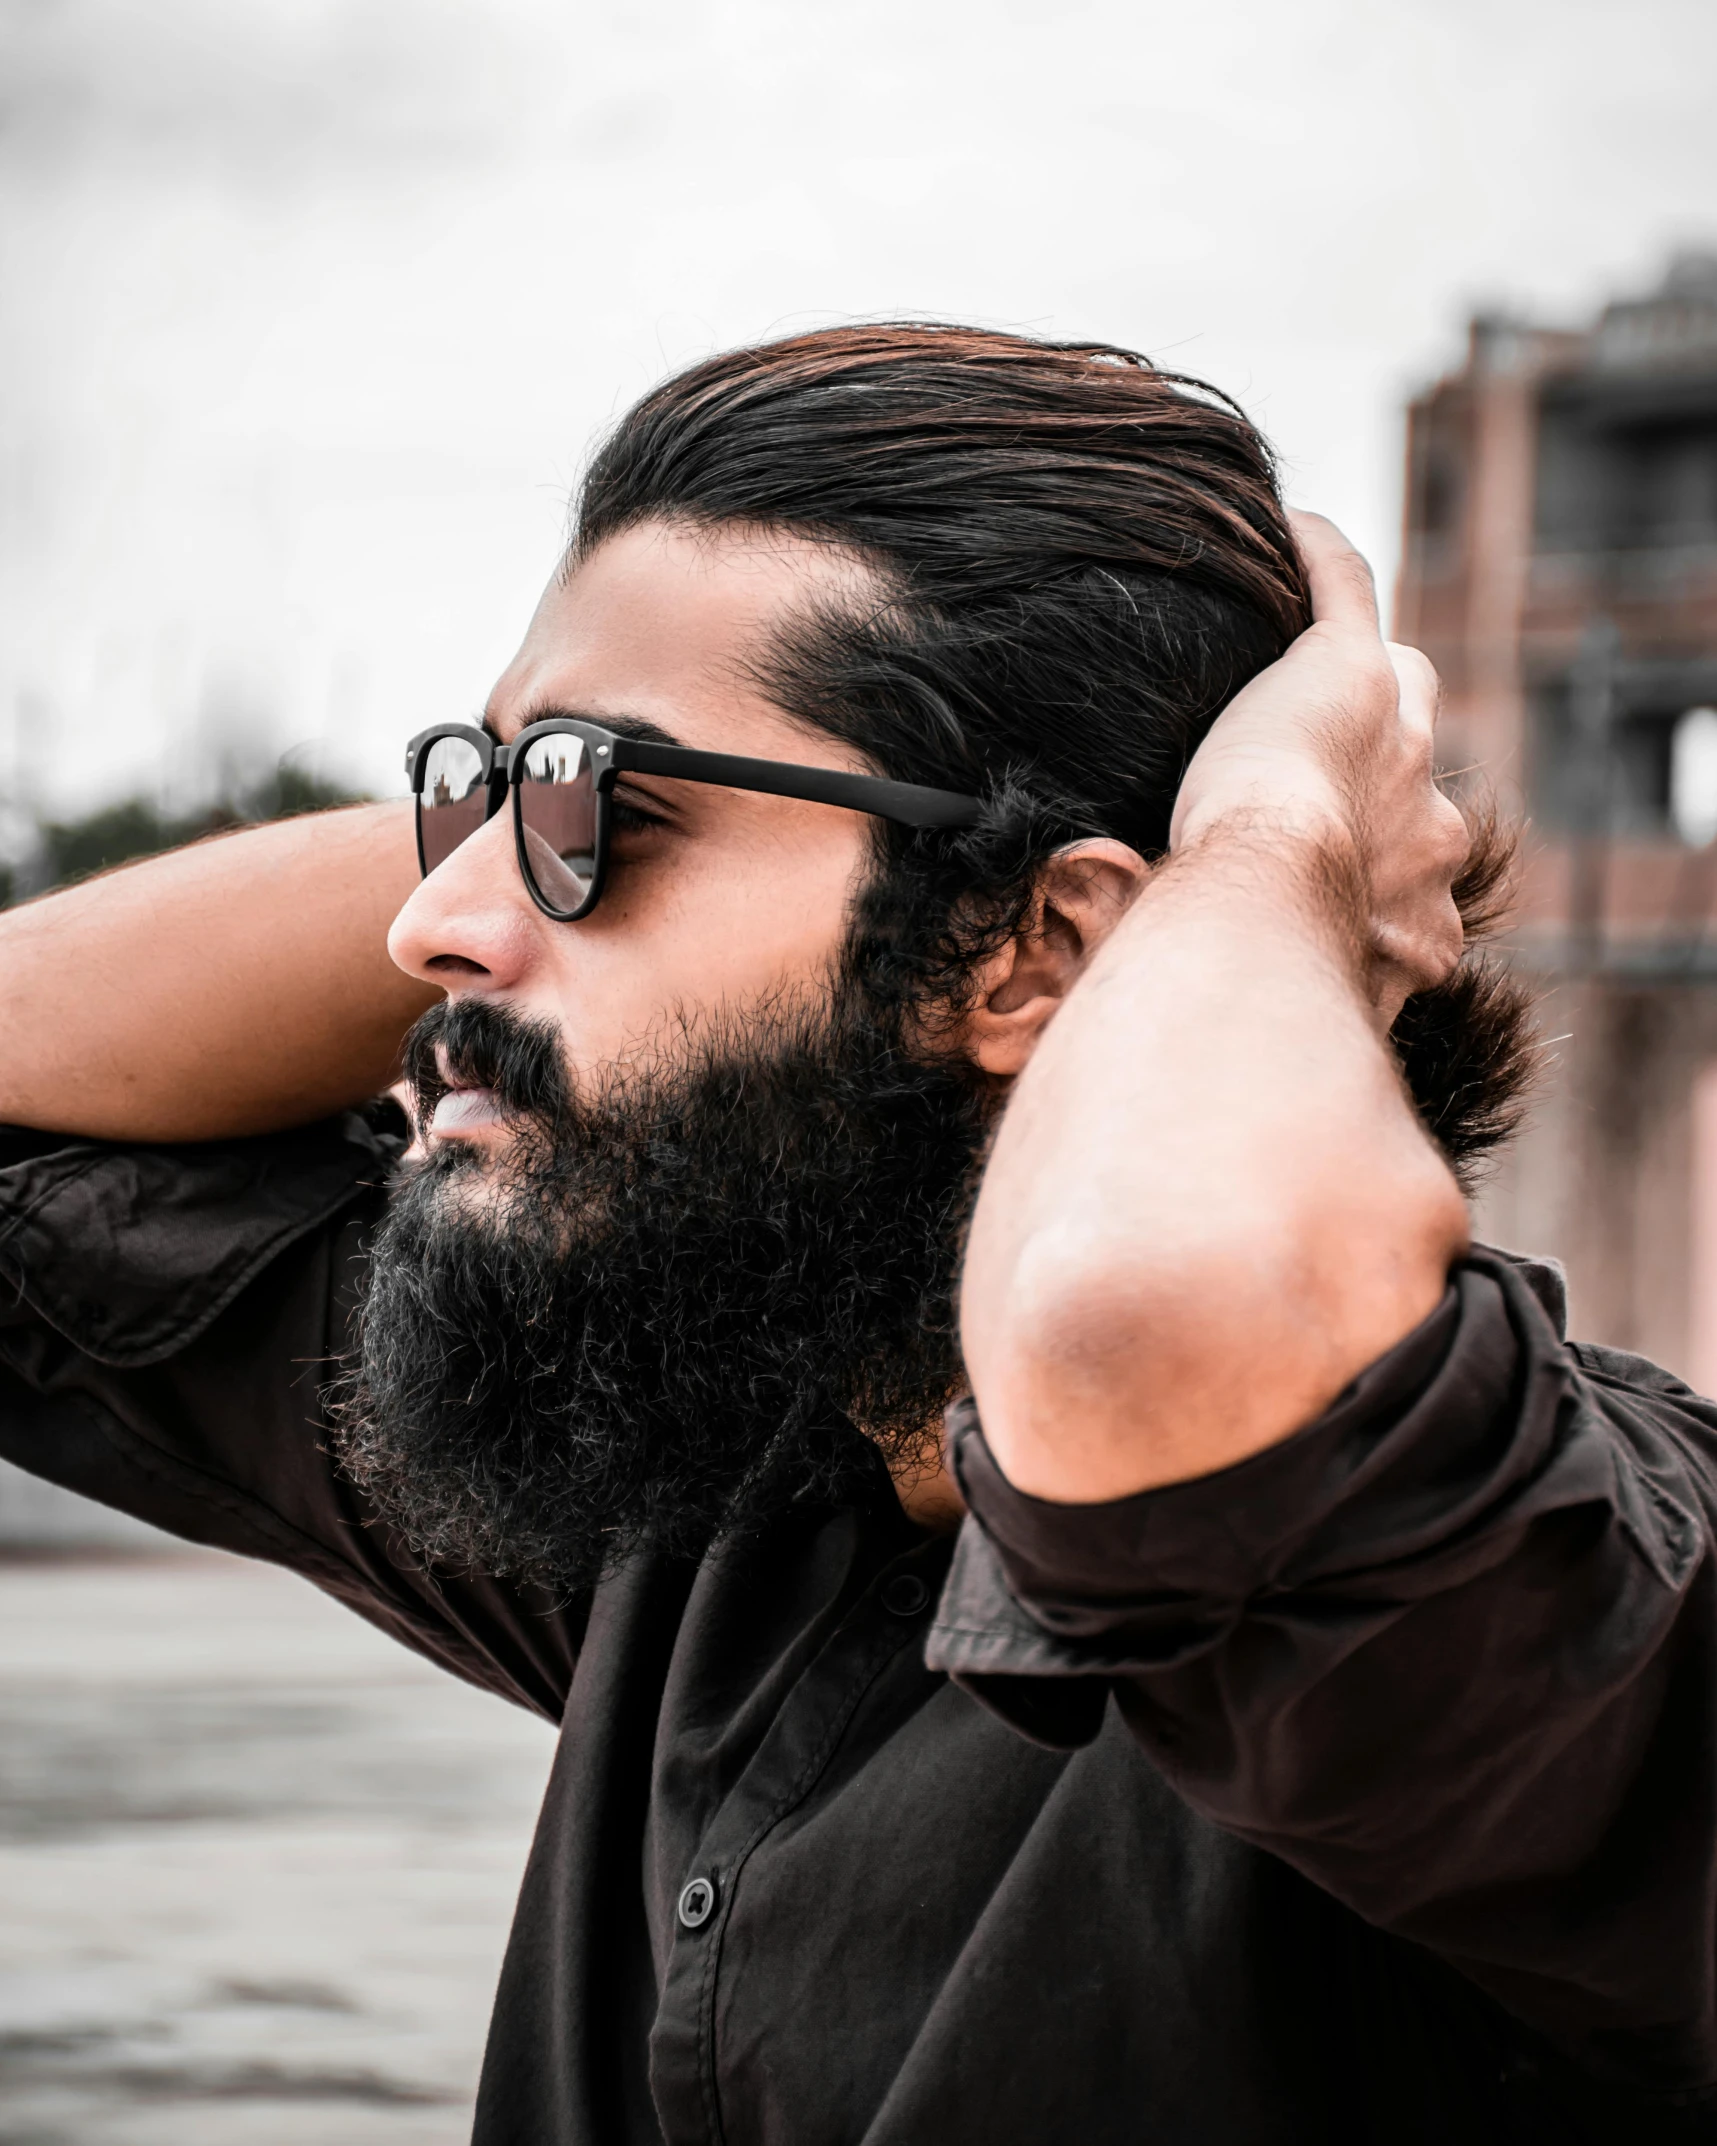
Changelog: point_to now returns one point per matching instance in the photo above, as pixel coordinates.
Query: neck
(929, 1497)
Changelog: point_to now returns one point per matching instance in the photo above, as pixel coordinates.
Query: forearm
(1209, 1204)
(234, 987)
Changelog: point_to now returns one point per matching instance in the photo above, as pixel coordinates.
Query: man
(948, 906)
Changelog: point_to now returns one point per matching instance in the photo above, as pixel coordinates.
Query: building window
(1693, 777)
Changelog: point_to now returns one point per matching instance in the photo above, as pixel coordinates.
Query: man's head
(1027, 572)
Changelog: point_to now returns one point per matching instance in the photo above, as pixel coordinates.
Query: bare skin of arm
(1210, 1204)
(238, 986)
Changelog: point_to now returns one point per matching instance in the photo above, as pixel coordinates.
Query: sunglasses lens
(453, 800)
(556, 795)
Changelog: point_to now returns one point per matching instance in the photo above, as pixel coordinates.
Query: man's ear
(1083, 891)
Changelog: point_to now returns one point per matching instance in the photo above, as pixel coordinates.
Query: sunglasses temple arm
(912, 804)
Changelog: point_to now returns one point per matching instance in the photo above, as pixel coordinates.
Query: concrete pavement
(256, 1863)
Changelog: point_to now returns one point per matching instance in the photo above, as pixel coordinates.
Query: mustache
(468, 1043)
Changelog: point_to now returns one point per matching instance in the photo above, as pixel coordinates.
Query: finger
(1420, 688)
(1343, 592)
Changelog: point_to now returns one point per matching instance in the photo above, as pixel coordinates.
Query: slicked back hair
(1077, 560)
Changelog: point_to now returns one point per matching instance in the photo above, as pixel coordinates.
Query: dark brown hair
(1079, 560)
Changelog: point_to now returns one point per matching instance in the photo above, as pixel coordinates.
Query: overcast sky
(313, 307)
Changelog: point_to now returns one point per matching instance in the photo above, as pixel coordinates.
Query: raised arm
(237, 986)
(1210, 1205)
(1386, 1579)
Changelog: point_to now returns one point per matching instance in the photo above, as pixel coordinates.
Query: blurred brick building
(1560, 568)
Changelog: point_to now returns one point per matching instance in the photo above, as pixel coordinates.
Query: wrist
(1290, 801)
(1292, 865)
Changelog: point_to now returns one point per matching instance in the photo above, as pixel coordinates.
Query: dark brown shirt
(1366, 1791)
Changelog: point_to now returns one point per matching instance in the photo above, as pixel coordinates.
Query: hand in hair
(1210, 1203)
(1334, 741)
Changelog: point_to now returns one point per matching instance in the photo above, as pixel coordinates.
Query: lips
(463, 1111)
(465, 1107)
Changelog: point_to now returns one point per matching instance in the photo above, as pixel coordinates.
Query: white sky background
(312, 307)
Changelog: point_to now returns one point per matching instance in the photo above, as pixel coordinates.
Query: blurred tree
(66, 850)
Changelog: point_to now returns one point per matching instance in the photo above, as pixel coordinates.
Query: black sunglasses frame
(613, 754)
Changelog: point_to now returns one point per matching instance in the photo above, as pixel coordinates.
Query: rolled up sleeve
(1450, 1651)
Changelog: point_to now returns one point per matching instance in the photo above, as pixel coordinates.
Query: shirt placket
(790, 1761)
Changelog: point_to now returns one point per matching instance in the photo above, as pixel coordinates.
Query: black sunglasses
(561, 773)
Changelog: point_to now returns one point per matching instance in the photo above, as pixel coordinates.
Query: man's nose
(470, 925)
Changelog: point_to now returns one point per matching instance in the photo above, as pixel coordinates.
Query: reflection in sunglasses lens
(557, 814)
(452, 800)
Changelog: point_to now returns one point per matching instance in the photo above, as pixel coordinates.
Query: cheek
(782, 914)
(720, 930)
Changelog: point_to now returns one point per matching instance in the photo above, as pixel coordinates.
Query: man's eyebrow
(640, 727)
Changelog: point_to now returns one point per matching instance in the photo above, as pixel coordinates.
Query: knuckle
(1420, 687)
(1412, 662)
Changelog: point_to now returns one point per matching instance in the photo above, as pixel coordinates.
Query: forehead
(661, 623)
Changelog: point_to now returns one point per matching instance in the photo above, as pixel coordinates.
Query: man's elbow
(1116, 1364)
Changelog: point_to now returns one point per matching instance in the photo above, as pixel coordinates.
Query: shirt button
(697, 1903)
(905, 1595)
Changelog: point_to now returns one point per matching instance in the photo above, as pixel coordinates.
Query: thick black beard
(661, 1317)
